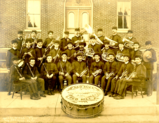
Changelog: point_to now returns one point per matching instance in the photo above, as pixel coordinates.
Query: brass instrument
(41, 61)
(109, 75)
(90, 52)
(30, 70)
(119, 57)
(111, 42)
(123, 74)
(97, 72)
(105, 57)
(45, 69)
(128, 43)
(26, 54)
(146, 55)
(83, 72)
(131, 75)
(18, 72)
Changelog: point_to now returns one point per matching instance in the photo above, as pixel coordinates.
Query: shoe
(38, 95)
(52, 92)
(42, 95)
(105, 94)
(119, 97)
(9, 93)
(110, 95)
(33, 97)
(49, 93)
(145, 93)
(114, 95)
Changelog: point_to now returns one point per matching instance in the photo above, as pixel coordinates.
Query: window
(33, 14)
(85, 19)
(71, 20)
(124, 16)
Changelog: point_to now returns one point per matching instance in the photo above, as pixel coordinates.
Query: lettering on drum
(82, 94)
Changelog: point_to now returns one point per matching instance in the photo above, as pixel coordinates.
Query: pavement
(48, 109)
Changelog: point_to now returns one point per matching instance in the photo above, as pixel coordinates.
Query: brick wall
(144, 23)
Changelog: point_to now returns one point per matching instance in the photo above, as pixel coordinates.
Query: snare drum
(82, 100)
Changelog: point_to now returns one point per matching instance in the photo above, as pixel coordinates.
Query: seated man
(49, 73)
(64, 68)
(96, 69)
(31, 73)
(110, 69)
(79, 69)
(17, 76)
(138, 75)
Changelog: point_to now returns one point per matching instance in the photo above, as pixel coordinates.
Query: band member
(49, 73)
(93, 45)
(64, 68)
(82, 50)
(128, 39)
(115, 37)
(77, 37)
(96, 70)
(138, 75)
(17, 76)
(110, 70)
(135, 51)
(71, 53)
(12, 53)
(100, 35)
(33, 38)
(31, 73)
(40, 54)
(149, 58)
(50, 40)
(79, 69)
(123, 72)
(106, 50)
(28, 51)
(20, 40)
(64, 41)
(55, 53)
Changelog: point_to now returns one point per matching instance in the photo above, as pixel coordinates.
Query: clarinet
(56, 55)
(30, 70)
(18, 72)
(45, 69)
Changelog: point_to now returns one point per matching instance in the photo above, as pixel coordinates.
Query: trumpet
(109, 75)
(97, 72)
(128, 43)
(123, 74)
(131, 75)
(83, 72)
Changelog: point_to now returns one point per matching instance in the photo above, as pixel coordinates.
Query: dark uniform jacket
(51, 68)
(70, 53)
(75, 38)
(96, 66)
(39, 52)
(140, 71)
(102, 38)
(19, 43)
(47, 42)
(34, 44)
(116, 38)
(10, 54)
(27, 72)
(126, 67)
(78, 67)
(26, 57)
(149, 65)
(14, 74)
(133, 53)
(54, 54)
(63, 43)
(96, 48)
(64, 67)
(111, 67)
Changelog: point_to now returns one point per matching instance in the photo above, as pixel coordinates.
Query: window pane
(85, 19)
(34, 21)
(120, 21)
(33, 6)
(71, 20)
(127, 22)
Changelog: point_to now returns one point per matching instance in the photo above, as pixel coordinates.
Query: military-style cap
(114, 27)
(39, 40)
(111, 53)
(97, 54)
(34, 31)
(57, 42)
(120, 42)
(106, 42)
(79, 54)
(136, 42)
(70, 42)
(64, 53)
(28, 40)
(92, 37)
(20, 32)
(126, 55)
(82, 43)
(50, 32)
(66, 32)
(31, 58)
(130, 31)
(14, 41)
(77, 29)
(48, 55)
(100, 29)
(148, 42)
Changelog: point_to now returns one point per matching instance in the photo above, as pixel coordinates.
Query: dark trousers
(75, 78)
(68, 78)
(114, 85)
(50, 83)
(94, 80)
(41, 84)
(149, 82)
(106, 83)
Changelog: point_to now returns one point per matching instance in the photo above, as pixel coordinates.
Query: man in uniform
(110, 70)
(49, 73)
(20, 41)
(82, 50)
(18, 77)
(150, 56)
(49, 41)
(12, 53)
(123, 72)
(79, 69)
(138, 75)
(77, 37)
(34, 38)
(96, 69)
(64, 41)
(64, 68)
(100, 35)
(31, 73)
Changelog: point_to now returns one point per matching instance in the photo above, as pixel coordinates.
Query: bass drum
(145, 56)
(82, 100)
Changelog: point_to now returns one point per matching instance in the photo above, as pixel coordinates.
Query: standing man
(149, 58)
(34, 38)
(100, 35)
(64, 41)
(50, 40)
(77, 37)
(64, 68)
(20, 41)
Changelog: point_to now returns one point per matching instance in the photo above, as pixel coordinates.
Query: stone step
(99, 119)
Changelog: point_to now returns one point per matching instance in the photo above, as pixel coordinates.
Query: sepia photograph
(79, 61)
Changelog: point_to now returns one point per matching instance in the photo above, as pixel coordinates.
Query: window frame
(122, 30)
(32, 28)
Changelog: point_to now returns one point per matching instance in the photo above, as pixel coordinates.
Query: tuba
(128, 43)
(119, 57)
(147, 54)
(89, 52)
(105, 56)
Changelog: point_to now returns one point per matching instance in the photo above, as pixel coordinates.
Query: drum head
(82, 94)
